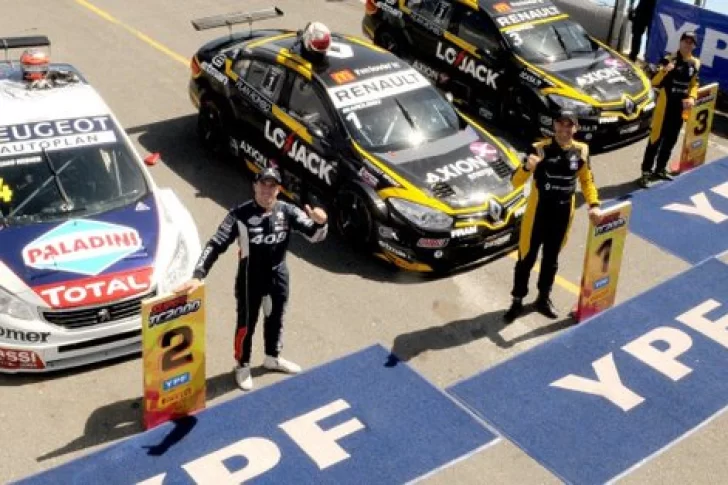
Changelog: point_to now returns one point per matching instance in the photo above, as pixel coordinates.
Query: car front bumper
(38, 346)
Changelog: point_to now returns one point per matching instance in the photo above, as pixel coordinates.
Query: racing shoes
(243, 378)
(545, 306)
(663, 175)
(514, 311)
(280, 364)
(644, 180)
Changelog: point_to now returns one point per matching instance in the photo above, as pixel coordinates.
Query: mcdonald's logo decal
(502, 7)
(343, 76)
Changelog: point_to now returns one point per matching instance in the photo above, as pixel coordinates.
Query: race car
(517, 62)
(355, 129)
(85, 234)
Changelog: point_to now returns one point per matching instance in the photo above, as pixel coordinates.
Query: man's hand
(318, 214)
(688, 103)
(188, 286)
(532, 161)
(669, 67)
(595, 215)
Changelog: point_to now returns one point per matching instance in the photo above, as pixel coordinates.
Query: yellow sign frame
(697, 130)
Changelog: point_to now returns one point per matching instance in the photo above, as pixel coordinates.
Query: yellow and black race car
(517, 61)
(399, 169)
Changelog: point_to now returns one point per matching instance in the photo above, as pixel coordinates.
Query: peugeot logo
(629, 106)
(495, 210)
(103, 315)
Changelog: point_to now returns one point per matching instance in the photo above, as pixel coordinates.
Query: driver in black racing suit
(262, 227)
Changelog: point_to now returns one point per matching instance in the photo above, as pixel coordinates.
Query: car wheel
(354, 219)
(211, 127)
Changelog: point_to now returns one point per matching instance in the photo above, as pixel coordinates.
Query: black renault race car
(520, 61)
(400, 171)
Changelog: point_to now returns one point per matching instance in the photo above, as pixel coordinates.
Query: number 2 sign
(173, 355)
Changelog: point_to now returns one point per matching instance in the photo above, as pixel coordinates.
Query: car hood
(462, 170)
(603, 76)
(84, 261)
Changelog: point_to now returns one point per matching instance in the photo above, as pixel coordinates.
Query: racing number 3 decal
(178, 354)
(702, 119)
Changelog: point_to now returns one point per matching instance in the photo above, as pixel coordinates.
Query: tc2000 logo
(172, 309)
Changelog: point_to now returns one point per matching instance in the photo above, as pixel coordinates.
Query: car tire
(354, 219)
(212, 128)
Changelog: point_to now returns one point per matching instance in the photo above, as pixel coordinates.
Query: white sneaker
(281, 364)
(243, 377)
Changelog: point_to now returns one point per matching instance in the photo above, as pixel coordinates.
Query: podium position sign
(697, 130)
(173, 354)
(602, 261)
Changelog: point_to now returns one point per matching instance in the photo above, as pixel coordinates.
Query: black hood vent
(442, 190)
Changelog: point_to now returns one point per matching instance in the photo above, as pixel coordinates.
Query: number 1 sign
(173, 354)
(697, 130)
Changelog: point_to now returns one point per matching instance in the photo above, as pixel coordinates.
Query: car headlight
(15, 307)
(421, 216)
(581, 108)
(177, 270)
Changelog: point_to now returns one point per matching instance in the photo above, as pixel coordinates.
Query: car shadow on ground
(123, 419)
(229, 184)
(461, 332)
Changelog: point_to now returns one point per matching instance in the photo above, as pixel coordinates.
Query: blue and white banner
(672, 19)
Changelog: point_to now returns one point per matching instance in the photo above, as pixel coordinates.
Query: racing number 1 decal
(178, 354)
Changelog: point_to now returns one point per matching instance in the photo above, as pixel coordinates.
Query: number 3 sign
(173, 355)
(697, 130)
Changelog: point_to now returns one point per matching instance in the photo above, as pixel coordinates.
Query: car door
(426, 22)
(255, 93)
(477, 57)
(311, 132)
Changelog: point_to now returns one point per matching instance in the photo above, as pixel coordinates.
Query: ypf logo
(82, 246)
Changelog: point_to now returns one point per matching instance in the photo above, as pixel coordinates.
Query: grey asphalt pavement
(136, 54)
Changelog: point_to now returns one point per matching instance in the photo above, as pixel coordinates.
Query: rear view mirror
(152, 159)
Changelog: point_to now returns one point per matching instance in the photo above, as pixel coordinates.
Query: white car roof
(22, 105)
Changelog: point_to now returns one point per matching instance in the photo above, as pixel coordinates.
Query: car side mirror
(152, 159)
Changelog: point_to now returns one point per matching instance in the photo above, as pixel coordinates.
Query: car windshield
(40, 181)
(551, 41)
(396, 122)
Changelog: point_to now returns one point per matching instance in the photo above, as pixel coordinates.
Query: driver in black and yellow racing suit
(556, 163)
(678, 82)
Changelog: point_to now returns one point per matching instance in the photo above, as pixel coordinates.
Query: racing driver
(677, 81)
(262, 227)
(555, 163)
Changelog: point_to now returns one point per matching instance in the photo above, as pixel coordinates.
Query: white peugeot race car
(85, 234)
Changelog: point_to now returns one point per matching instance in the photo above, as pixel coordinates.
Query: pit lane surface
(136, 54)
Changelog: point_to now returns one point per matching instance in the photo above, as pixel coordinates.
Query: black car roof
(367, 60)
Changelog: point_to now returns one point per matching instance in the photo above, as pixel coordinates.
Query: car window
(472, 27)
(305, 103)
(266, 78)
(241, 67)
(437, 11)
(551, 41)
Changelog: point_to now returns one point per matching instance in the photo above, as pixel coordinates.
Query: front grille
(88, 317)
(442, 190)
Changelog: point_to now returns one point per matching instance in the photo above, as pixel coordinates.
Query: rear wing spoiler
(231, 19)
(7, 43)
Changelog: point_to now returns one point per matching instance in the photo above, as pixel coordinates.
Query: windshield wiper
(57, 179)
(407, 115)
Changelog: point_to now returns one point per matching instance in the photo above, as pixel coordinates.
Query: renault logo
(629, 106)
(495, 210)
(103, 315)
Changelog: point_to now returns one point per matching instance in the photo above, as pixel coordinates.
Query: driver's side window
(473, 28)
(306, 104)
(266, 78)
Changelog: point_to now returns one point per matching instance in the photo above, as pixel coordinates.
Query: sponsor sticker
(54, 135)
(82, 246)
(377, 87)
(299, 152)
(95, 290)
(20, 359)
(484, 150)
(526, 16)
(343, 76)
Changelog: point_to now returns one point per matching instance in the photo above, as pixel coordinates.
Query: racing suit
(262, 276)
(674, 86)
(550, 209)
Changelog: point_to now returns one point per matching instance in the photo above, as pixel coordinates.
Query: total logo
(82, 246)
(297, 151)
(467, 64)
(94, 291)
